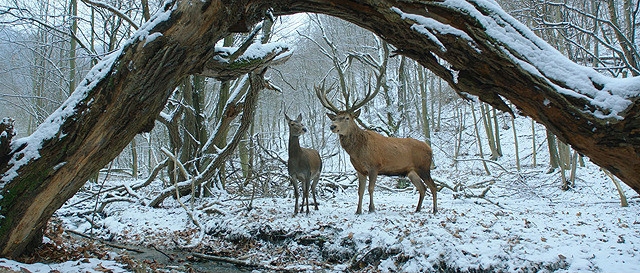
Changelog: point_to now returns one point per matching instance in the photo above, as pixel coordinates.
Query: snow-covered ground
(524, 222)
(87, 265)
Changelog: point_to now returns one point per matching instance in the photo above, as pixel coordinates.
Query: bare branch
(38, 22)
(112, 9)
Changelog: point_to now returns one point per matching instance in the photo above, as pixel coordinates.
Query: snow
(526, 222)
(465, 233)
(425, 26)
(144, 32)
(257, 50)
(151, 37)
(253, 51)
(82, 266)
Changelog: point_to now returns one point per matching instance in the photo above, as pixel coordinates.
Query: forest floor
(503, 221)
(506, 222)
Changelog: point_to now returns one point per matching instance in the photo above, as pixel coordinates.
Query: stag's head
(296, 128)
(343, 122)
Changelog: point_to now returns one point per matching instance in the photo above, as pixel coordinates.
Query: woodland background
(46, 46)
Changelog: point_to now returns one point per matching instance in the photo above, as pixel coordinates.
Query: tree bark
(124, 93)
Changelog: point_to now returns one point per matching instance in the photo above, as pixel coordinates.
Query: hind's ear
(331, 116)
(299, 119)
(287, 117)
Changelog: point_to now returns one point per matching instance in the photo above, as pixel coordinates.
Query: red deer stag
(372, 154)
(304, 164)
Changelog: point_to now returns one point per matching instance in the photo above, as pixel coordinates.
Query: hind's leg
(313, 191)
(305, 194)
(296, 194)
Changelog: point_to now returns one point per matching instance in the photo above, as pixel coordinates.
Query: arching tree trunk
(476, 47)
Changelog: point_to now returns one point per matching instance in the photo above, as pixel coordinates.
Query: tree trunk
(554, 158)
(487, 55)
(73, 14)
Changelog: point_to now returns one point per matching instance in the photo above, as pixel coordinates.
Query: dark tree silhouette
(477, 48)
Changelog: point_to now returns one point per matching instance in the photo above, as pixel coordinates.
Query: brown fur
(372, 154)
(304, 164)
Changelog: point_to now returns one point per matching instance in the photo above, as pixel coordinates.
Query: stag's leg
(426, 176)
(294, 183)
(313, 190)
(373, 175)
(417, 182)
(362, 181)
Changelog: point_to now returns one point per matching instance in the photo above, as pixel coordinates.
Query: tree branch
(112, 9)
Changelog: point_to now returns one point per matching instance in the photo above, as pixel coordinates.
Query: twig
(163, 253)
(177, 162)
(623, 198)
(240, 262)
(270, 153)
(482, 195)
(104, 242)
(148, 181)
(194, 220)
(114, 10)
(112, 200)
(98, 195)
(484, 160)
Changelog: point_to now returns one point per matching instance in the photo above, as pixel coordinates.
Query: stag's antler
(367, 97)
(321, 93)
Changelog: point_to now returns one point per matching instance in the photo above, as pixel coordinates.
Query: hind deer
(373, 154)
(304, 164)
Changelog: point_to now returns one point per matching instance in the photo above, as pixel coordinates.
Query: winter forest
(159, 136)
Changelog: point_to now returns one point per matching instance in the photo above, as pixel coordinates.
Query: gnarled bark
(461, 41)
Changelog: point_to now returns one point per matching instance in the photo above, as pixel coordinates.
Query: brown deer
(304, 164)
(372, 154)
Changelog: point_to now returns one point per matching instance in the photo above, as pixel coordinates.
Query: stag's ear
(299, 119)
(331, 116)
(356, 114)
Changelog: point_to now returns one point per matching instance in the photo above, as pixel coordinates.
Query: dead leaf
(101, 268)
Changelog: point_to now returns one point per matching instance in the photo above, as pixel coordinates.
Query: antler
(367, 97)
(321, 93)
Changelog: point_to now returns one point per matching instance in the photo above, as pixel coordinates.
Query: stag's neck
(354, 142)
